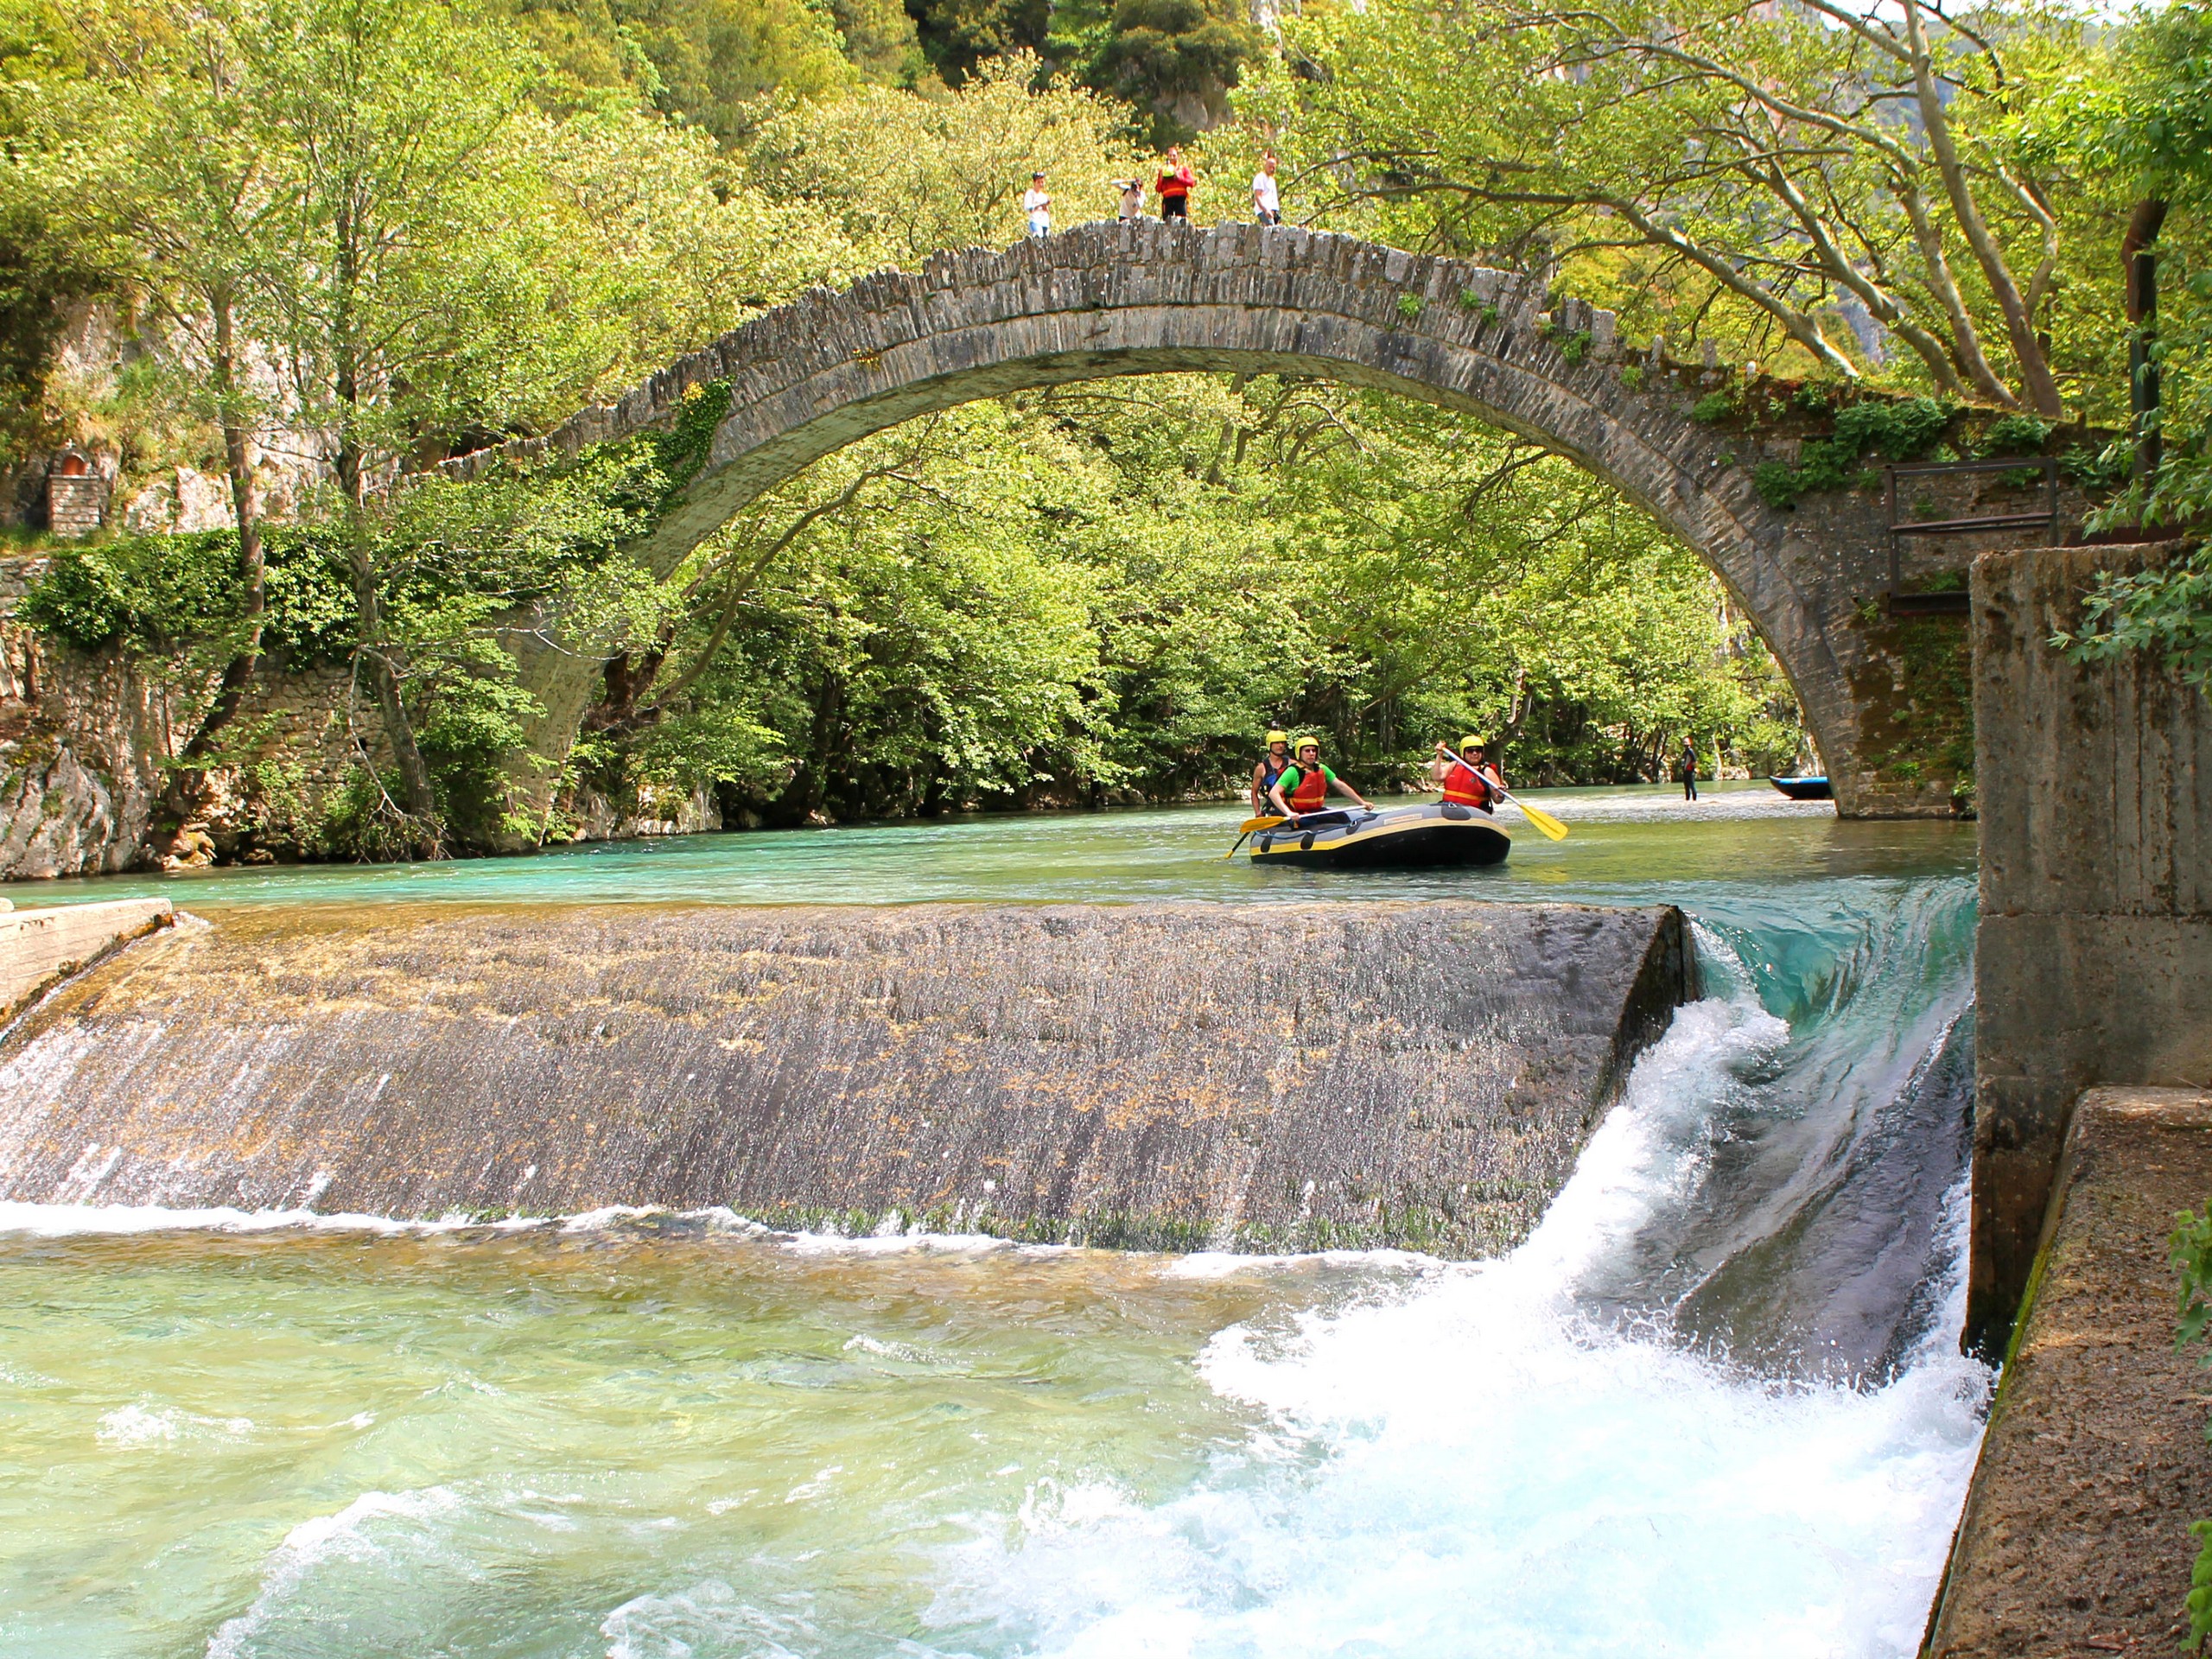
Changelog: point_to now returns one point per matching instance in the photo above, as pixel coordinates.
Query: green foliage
(1713, 408)
(2166, 613)
(1632, 377)
(43, 272)
(2016, 435)
(2189, 1251)
(1167, 56)
(895, 177)
(1411, 306)
(1110, 589)
(152, 593)
(1576, 346)
(1902, 431)
(1655, 151)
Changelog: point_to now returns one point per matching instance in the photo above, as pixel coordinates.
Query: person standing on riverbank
(1037, 205)
(1687, 769)
(1175, 183)
(1266, 195)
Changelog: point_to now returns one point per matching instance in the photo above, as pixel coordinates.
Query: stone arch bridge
(1109, 300)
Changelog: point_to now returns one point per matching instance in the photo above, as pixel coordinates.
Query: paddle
(1248, 827)
(1250, 824)
(1545, 824)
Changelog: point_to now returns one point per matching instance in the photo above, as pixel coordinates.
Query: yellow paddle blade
(1247, 827)
(1545, 823)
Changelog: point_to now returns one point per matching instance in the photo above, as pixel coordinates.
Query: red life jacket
(1312, 790)
(1467, 787)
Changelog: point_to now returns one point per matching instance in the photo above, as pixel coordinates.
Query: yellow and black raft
(1400, 838)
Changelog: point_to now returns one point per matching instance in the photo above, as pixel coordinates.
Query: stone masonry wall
(2095, 959)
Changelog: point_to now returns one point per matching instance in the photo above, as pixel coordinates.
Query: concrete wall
(2074, 1537)
(39, 947)
(1250, 1075)
(2094, 960)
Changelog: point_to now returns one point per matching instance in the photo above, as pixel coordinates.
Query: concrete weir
(1154, 1075)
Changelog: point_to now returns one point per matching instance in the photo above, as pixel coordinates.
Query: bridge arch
(1110, 300)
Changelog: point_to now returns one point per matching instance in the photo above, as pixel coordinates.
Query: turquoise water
(1713, 1408)
(1627, 845)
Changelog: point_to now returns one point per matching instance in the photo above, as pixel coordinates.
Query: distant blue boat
(1805, 789)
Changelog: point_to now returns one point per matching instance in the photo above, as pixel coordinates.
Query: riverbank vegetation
(306, 247)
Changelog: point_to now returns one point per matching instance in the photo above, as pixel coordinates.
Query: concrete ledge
(1162, 1075)
(40, 947)
(2075, 1537)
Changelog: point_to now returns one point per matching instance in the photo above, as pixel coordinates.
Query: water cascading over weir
(1176, 1076)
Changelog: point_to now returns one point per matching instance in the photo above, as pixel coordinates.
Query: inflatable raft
(1401, 838)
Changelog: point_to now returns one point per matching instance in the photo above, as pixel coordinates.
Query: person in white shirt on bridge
(1266, 195)
(1037, 205)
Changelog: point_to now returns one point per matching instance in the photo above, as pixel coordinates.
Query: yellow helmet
(1466, 743)
(1275, 738)
(1304, 738)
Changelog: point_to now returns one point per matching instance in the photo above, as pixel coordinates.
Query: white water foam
(351, 1535)
(1471, 1468)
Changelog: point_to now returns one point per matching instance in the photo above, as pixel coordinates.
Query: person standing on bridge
(1266, 194)
(1175, 183)
(1037, 205)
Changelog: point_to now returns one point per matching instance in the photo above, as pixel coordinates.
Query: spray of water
(1481, 1464)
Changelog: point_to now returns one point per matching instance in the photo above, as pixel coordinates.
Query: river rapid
(1714, 1406)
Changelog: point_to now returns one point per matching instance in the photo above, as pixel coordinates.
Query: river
(1713, 1407)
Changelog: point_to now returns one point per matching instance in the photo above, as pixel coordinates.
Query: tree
(1785, 168)
(1176, 58)
(900, 177)
(2149, 128)
(160, 161)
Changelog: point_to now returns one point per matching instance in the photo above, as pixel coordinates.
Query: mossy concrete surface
(1170, 1076)
(2076, 1536)
(38, 948)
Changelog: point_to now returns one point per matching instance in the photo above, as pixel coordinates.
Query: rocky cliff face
(85, 740)
(82, 743)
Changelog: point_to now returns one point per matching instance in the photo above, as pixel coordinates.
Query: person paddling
(1305, 784)
(1273, 764)
(1468, 779)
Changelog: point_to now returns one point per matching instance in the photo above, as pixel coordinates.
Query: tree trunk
(2037, 381)
(245, 502)
(186, 795)
(374, 651)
